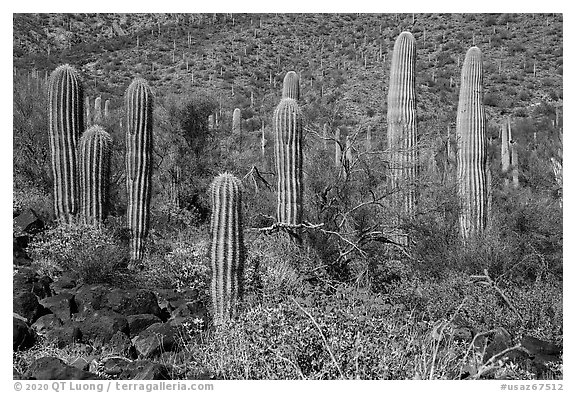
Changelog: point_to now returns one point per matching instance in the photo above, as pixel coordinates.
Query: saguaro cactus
(471, 136)
(402, 126)
(289, 158)
(139, 102)
(236, 121)
(88, 120)
(337, 149)
(227, 246)
(66, 123)
(505, 157)
(514, 164)
(291, 86)
(94, 166)
(107, 109)
(98, 110)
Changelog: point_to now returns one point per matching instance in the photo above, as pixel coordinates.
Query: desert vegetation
(283, 196)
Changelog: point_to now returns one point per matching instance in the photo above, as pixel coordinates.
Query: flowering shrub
(83, 249)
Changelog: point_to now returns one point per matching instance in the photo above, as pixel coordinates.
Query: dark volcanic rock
(50, 368)
(145, 370)
(120, 345)
(133, 302)
(64, 335)
(61, 305)
(157, 338)
(26, 305)
(46, 323)
(23, 336)
(28, 221)
(139, 322)
(89, 298)
(101, 325)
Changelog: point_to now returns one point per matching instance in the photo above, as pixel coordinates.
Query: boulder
(27, 306)
(46, 323)
(28, 221)
(139, 322)
(145, 370)
(157, 338)
(543, 351)
(23, 336)
(49, 368)
(114, 365)
(133, 301)
(64, 336)
(61, 305)
(101, 325)
(123, 301)
(120, 345)
(25, 279)
(89, 298)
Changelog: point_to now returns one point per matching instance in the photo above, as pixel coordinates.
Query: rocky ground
(122, 333)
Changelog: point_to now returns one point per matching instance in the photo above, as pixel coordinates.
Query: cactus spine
(471, 136)
(139, 102)
(227, 246)
(66, 118)
(94, 166)
(236, 121)
(291, 86)
(402, 125)
(289, 158)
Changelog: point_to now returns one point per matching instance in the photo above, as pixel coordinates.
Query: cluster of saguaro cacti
(236, 122)
(402, 125)
(66, 123)
(139, 103)
(227, 246)
(471, 136)
(289, 158)
(291, 86)
(94, 167)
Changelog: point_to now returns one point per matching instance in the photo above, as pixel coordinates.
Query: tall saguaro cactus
(66, 123)
(291, 86)
(227, 246)
(402, 125)
(289, 159)
(471, 136)
(94, 166)
(139, 103)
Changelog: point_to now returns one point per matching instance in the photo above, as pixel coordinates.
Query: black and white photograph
(200, 197)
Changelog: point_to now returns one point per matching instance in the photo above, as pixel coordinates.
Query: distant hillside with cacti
(342, 55)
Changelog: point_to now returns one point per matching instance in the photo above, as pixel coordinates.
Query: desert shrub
(90, 252)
